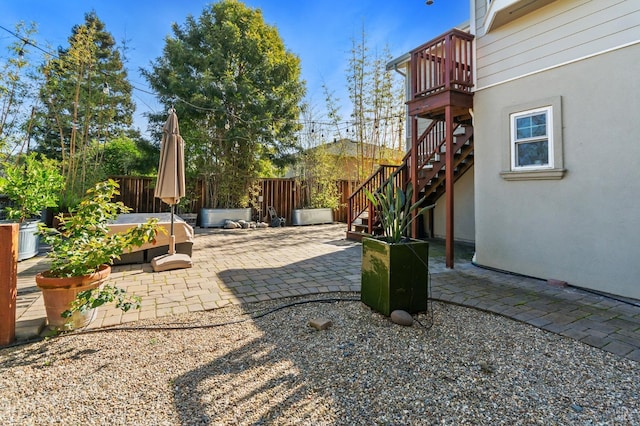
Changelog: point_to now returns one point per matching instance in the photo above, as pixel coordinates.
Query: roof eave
(396, 63)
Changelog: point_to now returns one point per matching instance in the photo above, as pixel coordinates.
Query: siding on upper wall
(560, 32)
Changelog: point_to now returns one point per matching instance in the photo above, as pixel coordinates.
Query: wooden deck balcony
(440, 82)
(441, 74)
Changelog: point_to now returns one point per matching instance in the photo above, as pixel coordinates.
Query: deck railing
(429, 144)
(357, 202)
(444, 63)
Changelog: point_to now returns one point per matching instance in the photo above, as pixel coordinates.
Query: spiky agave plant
(395, 210)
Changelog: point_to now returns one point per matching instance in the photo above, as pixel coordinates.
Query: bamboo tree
(357, 80)
(318, 166)
(16, 90)
(376, 97)
(333, 110)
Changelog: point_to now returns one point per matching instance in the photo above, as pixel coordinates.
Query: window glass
(532, 154)
(530, 139)
(523, 127)
(539, 125)
(531, 126)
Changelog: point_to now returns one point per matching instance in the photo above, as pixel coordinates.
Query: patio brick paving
(242, 266)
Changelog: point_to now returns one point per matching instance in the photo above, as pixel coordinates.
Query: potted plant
(81, 250)
(320, 175)
(323, 197)
(395, 267)
(32, 184)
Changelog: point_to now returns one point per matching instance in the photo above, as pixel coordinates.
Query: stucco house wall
(463, 212)
(583, 228)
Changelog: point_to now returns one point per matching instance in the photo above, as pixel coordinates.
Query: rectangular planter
(311, 216)
(215, 218)
(394, 276)
(28, 240)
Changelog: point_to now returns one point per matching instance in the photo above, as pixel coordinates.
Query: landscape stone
(320, 323)
(556, 283)
(229, 224)
(401, 317)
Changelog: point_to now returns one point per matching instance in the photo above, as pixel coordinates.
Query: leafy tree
(32, 184)
(129, 155)
(86, 98)
(121, 157)
(147, 164)
(321, 178)
(240, 91)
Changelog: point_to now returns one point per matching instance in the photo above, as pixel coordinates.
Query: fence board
(283, 194)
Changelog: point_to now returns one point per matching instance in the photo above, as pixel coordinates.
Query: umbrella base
(167, 262)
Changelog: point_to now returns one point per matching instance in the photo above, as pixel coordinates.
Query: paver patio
(242, 266)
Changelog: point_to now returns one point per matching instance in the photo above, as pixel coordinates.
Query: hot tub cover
(182, 230)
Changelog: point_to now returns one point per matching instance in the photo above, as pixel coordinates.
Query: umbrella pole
(172, 247)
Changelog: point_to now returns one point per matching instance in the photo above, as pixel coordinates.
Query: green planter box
(394, 276)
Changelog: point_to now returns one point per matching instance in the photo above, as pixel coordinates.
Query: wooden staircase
(440, 81)
(361, 218)
(431, 167)
(431, 175)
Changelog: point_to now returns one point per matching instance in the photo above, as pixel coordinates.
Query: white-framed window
(532, 139)
(532, 147)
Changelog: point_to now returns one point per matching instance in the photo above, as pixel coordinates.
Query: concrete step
(29, 329)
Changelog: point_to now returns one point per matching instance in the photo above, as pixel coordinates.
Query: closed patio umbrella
(170, 183)
(170, 187)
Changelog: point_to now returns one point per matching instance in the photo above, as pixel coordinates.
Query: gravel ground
(471, 367)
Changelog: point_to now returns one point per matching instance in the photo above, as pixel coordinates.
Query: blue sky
(320, 32)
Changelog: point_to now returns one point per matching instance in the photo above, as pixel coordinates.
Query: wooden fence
(283, 194)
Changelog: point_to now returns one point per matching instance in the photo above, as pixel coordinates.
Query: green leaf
(394, 209)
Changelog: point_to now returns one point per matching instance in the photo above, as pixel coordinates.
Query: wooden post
(8, 282)
(413, 172)
(449, 158)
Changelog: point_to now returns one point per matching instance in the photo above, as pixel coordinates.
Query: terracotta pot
(58, 293)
